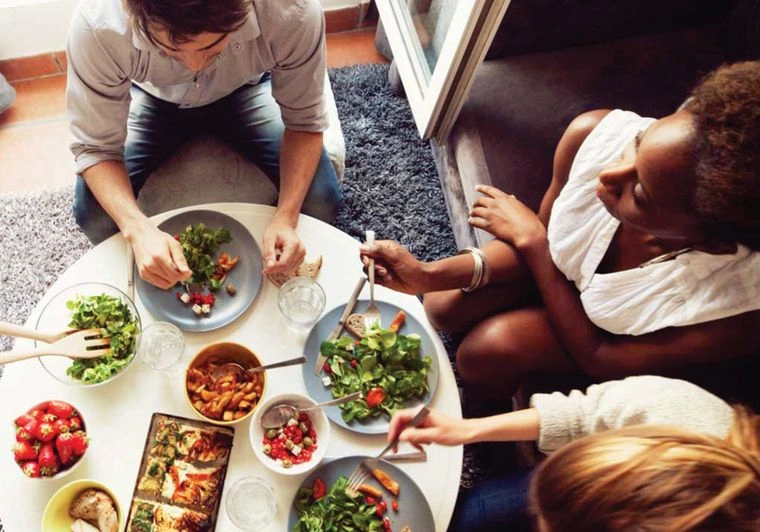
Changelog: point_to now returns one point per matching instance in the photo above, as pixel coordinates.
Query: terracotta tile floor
(33, 136)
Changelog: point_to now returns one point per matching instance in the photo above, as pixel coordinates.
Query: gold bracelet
(477, 272)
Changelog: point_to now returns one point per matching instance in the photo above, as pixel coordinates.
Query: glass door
(437, 44)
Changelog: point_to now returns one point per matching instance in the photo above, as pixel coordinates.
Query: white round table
(118, 413)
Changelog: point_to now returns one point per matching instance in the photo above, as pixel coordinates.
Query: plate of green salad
(92, 305)
(393, 369)
(322, 505)
(226, 263)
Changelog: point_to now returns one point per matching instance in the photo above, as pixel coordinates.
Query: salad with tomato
(320, 510)
(386, 366)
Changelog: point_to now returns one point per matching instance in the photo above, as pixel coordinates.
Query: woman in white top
(654, 223)
(644, 453)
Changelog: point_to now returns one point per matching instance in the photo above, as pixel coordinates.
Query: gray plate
(413, 509)
(246, 276)
(319, 392)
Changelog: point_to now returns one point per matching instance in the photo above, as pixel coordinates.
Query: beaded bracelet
(481, 274)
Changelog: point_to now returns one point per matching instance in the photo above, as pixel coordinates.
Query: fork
(81, 344)
(372, 312)
(362, 470)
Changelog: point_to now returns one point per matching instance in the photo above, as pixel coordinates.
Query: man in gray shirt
(145, 75)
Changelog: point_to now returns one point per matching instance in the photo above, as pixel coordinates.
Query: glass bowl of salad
(298, 446)
(91, 305)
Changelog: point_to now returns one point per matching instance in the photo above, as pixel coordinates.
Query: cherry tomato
(394, 505)
(318, 490)
(375, 396)
(386, 523)
(354, 363)
(371, 500)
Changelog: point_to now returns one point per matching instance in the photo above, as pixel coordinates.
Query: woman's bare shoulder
(576, 132)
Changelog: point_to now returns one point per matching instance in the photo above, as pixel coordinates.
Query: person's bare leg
(455, 310)
(502, 350)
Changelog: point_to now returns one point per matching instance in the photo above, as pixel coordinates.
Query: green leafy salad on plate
(114, 318)
(199, 245)
(385, 365)
(335, 511)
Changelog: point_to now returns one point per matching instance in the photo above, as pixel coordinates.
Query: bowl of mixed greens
(92, 305)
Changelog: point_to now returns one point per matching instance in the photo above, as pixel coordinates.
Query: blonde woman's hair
(647, 478)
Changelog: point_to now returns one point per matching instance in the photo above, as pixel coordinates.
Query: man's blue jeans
(248, 120)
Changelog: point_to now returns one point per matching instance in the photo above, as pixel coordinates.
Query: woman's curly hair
(725, 106)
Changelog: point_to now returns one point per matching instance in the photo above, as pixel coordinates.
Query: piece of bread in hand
(355, 325)
(305, 269)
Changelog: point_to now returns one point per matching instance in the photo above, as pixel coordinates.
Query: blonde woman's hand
(437, 428)
(395, 267)
(505, 217)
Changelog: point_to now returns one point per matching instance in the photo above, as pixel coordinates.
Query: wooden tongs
(71, 343)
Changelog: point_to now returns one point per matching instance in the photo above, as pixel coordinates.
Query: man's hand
(395, 267)
(159, 257)
(283, 250)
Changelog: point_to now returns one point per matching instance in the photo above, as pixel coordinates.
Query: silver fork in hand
(372, 312)
(362, 470)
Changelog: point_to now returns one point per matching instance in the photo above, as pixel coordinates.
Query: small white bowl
(319, 422)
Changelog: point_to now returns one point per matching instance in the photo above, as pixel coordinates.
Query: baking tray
(181, 476)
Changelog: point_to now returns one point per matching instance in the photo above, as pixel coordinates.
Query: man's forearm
(299, 157)
(109, 183)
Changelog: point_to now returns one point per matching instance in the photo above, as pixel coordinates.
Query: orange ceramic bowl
(213, 399)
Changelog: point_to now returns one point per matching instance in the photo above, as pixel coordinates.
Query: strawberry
(31, 469)
(48, 417)
(48, 460)
(23, 450)
(62, 425)
(44, 431)
(23, 419)
(64, 444)
(61, 409)
(75, 424)
(23, 435)
(37, 413)
(31, 426)
(80, 442)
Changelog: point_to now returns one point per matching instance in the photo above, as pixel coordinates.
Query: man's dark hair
(725, 106)
(183, 19)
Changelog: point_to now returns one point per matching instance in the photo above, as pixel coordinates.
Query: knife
(321, 359)
(130, 273)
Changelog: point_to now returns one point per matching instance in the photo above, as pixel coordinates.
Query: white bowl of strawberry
(51, 439)
(296, 447)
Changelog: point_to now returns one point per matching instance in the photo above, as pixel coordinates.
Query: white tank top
(694, 287)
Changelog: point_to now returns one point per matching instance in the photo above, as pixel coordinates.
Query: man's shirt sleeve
(97, 95)
(299, 75)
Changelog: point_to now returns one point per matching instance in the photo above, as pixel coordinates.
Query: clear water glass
(161, 346)
(251, 504)
(302, 301)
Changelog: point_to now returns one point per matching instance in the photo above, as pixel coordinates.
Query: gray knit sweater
(640, 400)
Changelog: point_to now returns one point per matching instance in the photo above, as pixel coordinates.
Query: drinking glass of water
(251, 504)
(161, 345)
(301, 301)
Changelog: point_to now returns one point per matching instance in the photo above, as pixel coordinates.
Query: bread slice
(355, 325)
(305, 269)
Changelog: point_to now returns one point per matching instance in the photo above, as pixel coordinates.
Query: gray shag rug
(390, 184)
